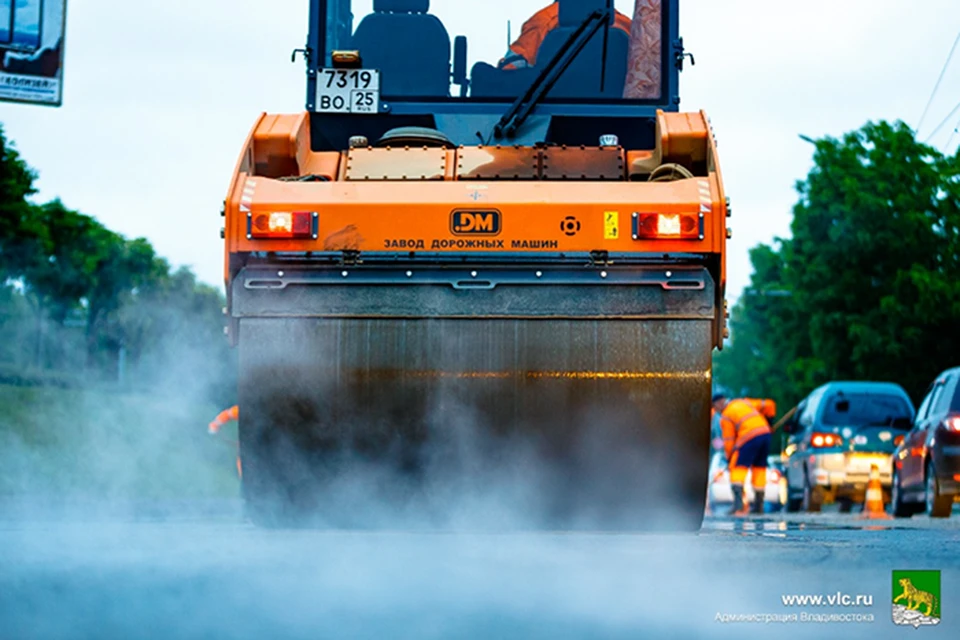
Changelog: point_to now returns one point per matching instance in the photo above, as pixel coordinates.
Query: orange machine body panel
(565, 217)
(477, 200)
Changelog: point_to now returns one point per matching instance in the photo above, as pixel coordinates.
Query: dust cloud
(469, 479)
(86, 441)
(121, 517)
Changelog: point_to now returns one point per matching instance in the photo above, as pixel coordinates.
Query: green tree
(73, 273)
(16, 222)
(873, 261)
(63, 272)
(57, 272)
(757, 361)
(122, 268)
(869, 283)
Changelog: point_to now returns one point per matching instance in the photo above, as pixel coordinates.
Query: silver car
(837, 435)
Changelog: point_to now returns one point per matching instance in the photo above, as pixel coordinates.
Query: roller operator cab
(469, 271)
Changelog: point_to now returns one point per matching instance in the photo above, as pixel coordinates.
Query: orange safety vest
(740, 423)
(543, 22)
(225, 416)
(766, 407)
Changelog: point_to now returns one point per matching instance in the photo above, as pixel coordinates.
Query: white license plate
(863, 463)
(348, 91)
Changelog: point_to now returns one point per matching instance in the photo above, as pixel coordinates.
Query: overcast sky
(160, 94)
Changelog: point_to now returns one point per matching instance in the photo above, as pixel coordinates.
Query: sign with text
(31, 50)
(348, 91)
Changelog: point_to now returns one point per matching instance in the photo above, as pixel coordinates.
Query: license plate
(863, 463)
(348, 91)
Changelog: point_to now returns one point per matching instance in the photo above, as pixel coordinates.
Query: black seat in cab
(410, 47)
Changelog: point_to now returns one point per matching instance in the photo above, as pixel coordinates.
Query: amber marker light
(282, 225)
(668, 226)
(346, 59)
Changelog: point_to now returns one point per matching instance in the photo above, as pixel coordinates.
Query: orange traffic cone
(873, 505)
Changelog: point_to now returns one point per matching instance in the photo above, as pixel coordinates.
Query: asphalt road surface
(189, 571)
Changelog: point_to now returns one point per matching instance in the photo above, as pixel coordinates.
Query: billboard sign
(31, 50)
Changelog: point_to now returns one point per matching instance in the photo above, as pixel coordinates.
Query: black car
(926, 466)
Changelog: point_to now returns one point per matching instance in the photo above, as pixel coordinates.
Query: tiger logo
(915, 598)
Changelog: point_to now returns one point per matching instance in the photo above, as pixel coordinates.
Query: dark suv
(927, 464)
(838, 433)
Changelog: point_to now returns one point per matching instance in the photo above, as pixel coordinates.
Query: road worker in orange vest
(746, 443)
(523, 52)
(765, 406)
(225, 416)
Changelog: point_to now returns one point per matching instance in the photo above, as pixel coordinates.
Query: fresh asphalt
(200, 571)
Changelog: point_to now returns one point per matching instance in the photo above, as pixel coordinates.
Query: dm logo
(916, 598)
(475, 223)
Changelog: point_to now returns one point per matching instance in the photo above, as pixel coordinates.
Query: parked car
(837, 434)
(720, 494)
(926, 467)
